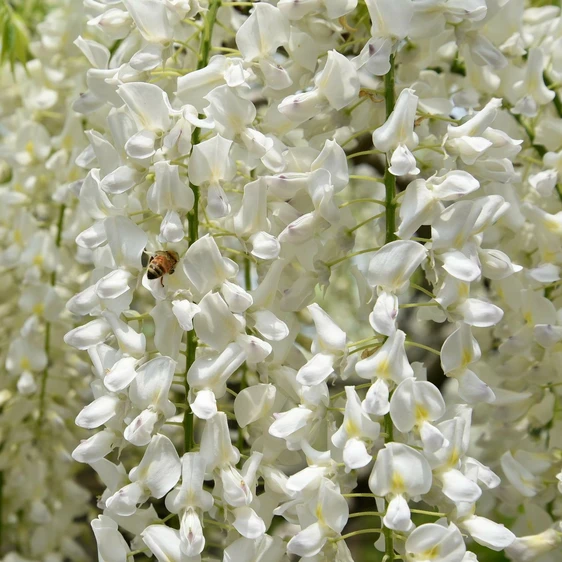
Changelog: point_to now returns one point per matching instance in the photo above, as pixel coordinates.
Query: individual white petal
(256, 349)
(191, 534)
(389, 362)
(431, 437)
(480, 313)
(547, 335)
(163, 542)
(253, 403)
(114, 284)
(264, 246)
(171, 228)
(400, 469)
(473, 389)
(89, 334)
(376, 400)
(460, 266)
(120, 180)
(262, 33)
(112, 547)
(458, 488)
(152, 383)
(92, 237)
(355, 454)
(403, 162)
(269, 326)
(184, 311)
(330, 337)
(392, 266)
(205, 404)
(307, 542)
(95, 447)
(238, 299)
(309, 476)
(126, 240)
(333, 158)
(248, 523)
(98, 412)
(384, 315)
(148, 103)
(160, 467)
(124, 502)
(519, 476)
(397, 516)
(488, 533)
(139, 431)
(130, 342)
(497, 265)
(316, 370)
(338, 82)
(447, 542)
(289, 422)
(141, 145)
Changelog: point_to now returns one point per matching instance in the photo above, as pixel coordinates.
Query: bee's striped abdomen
(155, 270)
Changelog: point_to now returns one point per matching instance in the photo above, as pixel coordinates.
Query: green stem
(53, 280)
(365, 513)
(361, 200)
(422, 290)
(205, 47)
(390, 200)
(360, 532)
(366, 221)
(363, 153)
(421, 346)
(1, 506)
(193, 229)
(417, 304)
(390, 179)
(190, 350)
(352, 255)
(358, 387)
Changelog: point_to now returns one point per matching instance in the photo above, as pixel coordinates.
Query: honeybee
(161, 263)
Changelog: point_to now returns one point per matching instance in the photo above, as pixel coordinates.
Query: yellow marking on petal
(421, 413)
(351, 429)
(397, 279)
(548, 255)
(25, 364)
(464, 290)
(38, 260)
(431, 553)
(397, 485)
(319, 514)
(383, 370)
(29, 147)
(18, 238)
(466, 357)
(38, 308)
(552, 225)
(528, 317)
(454, 457)
(68, 143)
(459, 240)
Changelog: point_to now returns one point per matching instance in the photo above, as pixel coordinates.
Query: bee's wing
(145, 258)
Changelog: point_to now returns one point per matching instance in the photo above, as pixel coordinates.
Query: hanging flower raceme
(314, 241)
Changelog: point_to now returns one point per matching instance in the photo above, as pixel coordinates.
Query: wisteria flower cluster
(286, 276)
